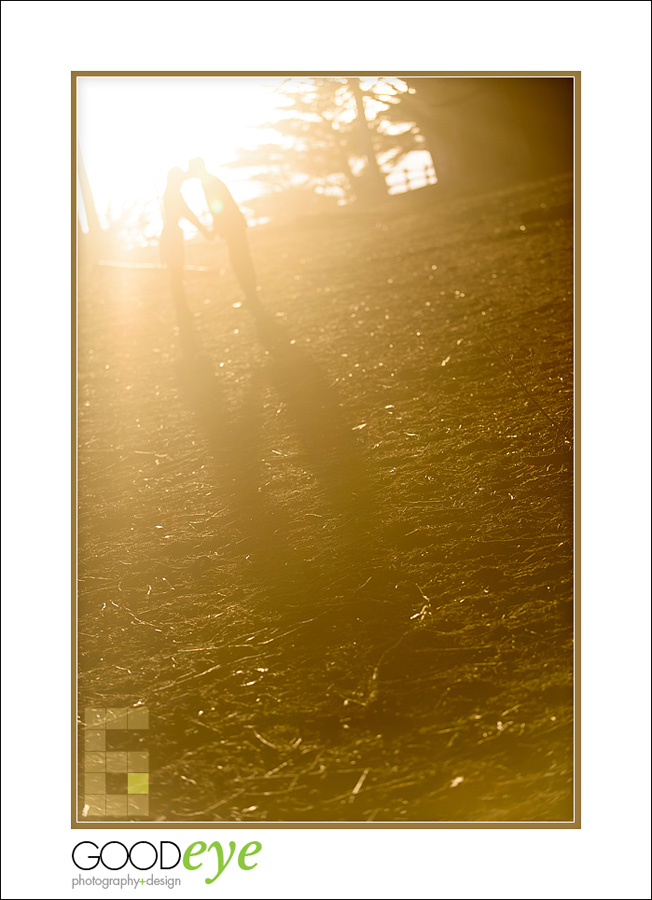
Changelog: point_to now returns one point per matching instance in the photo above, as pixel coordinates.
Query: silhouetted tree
(331, 141)
(479, 128)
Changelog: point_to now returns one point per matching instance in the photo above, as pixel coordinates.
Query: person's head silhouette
(176, 177)
(196, 167)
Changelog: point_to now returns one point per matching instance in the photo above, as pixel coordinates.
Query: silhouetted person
(230, 224)
(172, 243)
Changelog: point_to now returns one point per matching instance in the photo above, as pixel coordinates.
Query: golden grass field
(332, 551)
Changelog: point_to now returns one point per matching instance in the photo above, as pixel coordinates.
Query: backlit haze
(132, 130)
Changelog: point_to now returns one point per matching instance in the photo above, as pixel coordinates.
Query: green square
(138, 761)
(138, 783)
(116, 761)
(94, 762)
(94, 805)
(116, 718)
(138, 718)
(116, 805)
(138, 805)
(94, 739)
(94, 717)
(95, 783)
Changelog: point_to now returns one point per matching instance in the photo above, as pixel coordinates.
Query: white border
(609, 43)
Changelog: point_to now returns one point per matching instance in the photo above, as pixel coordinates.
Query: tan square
(116, 718)
(138, 761)
(139, 718)
(138, 805)
(94, 739)
(94, 762)
(116, 761)
(95, 783)
(94, 805)
(94, 717)
(116, 804)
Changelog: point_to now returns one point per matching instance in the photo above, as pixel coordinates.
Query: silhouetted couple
(228, 223)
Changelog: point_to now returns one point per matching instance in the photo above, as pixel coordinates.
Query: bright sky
(131, 131)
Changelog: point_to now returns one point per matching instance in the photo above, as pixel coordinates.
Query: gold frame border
(576, 822)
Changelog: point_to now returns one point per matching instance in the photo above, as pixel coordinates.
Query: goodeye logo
(143, 856)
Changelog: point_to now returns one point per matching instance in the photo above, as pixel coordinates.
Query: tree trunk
(94, 229)
(375, 177)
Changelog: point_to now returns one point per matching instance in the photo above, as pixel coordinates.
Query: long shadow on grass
(325, 436)
(232, 427)
(231, 417)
